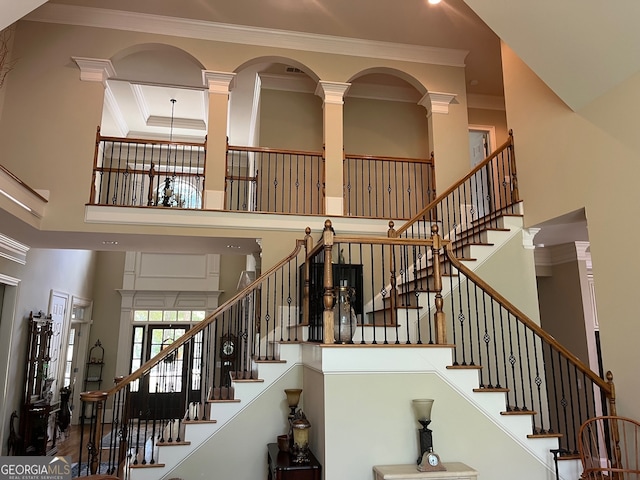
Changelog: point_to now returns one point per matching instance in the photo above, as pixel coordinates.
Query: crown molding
(564, 253)
(220, 32)
(94, 69)
(332, 92)
(218, 82)
(13, 250)
(437, 102)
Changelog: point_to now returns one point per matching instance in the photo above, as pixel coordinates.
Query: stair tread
(173, 443)
(486, 390)
(199, 421)
(147, 465)
(545, 435)
(272, 361)
(225, 400)
(518, 412)
(464, 367)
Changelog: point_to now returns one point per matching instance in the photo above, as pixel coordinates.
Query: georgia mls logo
(35, 468)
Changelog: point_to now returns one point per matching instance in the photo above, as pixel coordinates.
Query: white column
(448, 136)
(220, 85)
(332, 94)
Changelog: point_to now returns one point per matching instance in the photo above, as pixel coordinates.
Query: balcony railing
(151, 173)
(274, 181)
(387, 187)
(136, 173)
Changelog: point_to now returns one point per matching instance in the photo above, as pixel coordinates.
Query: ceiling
(580, 48)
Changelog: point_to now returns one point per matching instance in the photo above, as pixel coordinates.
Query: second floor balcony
(149, 173)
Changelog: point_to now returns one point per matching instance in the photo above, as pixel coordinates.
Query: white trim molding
(218, 82)
(7, 280)
(332, 92)
(94, 69)
(528, 234)
(13, 250)
(437, 102)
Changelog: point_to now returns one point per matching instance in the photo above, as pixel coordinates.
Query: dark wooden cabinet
(37, 415)
(282, 468)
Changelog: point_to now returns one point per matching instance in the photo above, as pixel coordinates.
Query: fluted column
(332, 94)
(220, 85)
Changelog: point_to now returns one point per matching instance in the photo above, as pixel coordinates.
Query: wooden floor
(69, 443)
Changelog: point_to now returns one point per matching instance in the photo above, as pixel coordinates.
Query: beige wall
(248, 434)
(569, 160)
(381, 127)
(230, 268)
(561, 308)
(376, 409)
(495, 118)
(107, 304)
(290, 120)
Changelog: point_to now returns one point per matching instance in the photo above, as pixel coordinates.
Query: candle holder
(300, 449)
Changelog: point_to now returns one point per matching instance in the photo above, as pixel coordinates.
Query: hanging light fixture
(168, 197)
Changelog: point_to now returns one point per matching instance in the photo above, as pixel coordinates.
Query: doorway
(481, 143)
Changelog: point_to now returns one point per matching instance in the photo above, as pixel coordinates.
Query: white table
(454, 471)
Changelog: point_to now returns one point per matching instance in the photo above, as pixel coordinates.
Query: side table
(282, 468)
(454, 471)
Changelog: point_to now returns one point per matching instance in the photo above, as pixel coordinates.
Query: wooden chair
(609, 448)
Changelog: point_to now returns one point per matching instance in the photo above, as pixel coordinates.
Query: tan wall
(376, 409)
(380, 127)
(230, 268)
(567, 161)
(290, 120)
(106, 310)
(561, 311)
(495, 118)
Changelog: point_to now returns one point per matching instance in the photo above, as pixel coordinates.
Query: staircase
(430, 318)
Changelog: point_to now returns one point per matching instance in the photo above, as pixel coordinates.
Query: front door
(163, 392)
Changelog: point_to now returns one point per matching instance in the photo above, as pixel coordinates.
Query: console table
(454, 471)
(282, 468)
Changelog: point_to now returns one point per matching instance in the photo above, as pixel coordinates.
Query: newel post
(308, 246)
(439, 316)
(97, 401)
(329, 293)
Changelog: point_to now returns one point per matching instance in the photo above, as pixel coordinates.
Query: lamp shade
(293, 396)
(422, 409)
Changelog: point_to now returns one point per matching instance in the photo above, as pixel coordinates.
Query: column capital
(218, 82)
(528, 235)
(94, 69)
(332, 92)
(438, 101)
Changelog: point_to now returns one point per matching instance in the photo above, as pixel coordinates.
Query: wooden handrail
(102, 138)
(204, 323)
(456, 185)
(579, 364)
(22, 184)
(273, 150)
(395, 159)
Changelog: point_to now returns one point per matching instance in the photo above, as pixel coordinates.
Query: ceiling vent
(293, 70)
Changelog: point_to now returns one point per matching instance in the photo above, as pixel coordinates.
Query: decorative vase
(344, 320)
